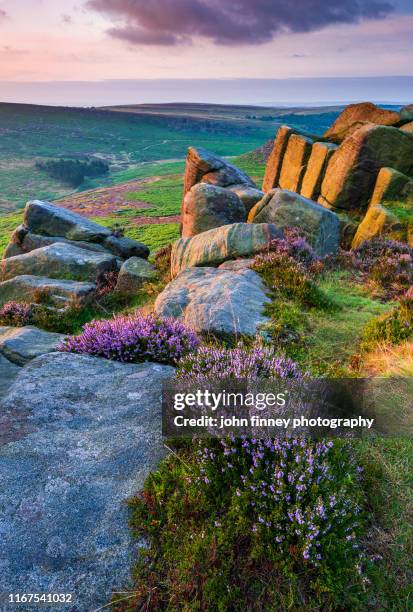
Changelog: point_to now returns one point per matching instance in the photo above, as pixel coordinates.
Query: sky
(92, 52)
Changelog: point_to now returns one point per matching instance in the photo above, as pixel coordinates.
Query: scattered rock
(8, 373)
(407, 127)
(321, 227)
(352, 170)
(34, 241)
(355, 116)
(133, 274)
(201, 165)
(295, 162)
(216, 300)
(49, 220)
(316, 167)
(126, 247)
(11, 250)
(207, 206)
(59, 260)
(390, 211)
(22, 344)
(406, 113)
(249, 196)
(236, 264)
(79, 437)
(28, 288)
(217, 245)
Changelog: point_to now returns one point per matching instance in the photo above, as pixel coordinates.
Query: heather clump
(16, 314)
(387, 266)
(240, 362)
(278, 520)
(134, 338)
(295, 246)
(393, 327)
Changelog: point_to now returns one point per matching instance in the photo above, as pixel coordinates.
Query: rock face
(216, 300)
(407, 127)
(355, 116)
(352, 170)
(295, 162)
(22, 344)
(406, 113)
(31, 241)
(390, 211)
(59, 260)
(133, 274)
(207, 206)
(275, 160)
(8, 373)
(79, 436)
(249, 196)
(316, 167)
(58, 292)
(203, 166)
(321, 227)
(217, 245)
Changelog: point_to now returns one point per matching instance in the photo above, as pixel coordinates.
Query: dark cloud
(229, 22)
(66, 19)
(3, 14)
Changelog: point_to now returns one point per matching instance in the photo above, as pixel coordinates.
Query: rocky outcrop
(60, 261)
(407, 127)
(316, 167)
(406, 113)
(295, 162)
(207, 206)
(249, 196)
(22, 344)
(321, 227)
(24, 243)
(275, 160)
(57, 292)
(352, 170)
(390, 212)
(355, 116)
(216, 300)
(203, 166)
(217, 245)
(78, 437)
(8, 374)
(133, 274)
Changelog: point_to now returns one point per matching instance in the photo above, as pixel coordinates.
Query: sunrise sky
(96, 40)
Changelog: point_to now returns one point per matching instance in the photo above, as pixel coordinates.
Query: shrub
(240, 362)
(393, 327)
(163, 261)
(386, 264)
(16, 314)
(287, 277)
(134, 338)
(251, 525)
(295, 246)
(105, 284)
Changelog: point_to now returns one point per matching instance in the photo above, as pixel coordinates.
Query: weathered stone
(203, 165)
(50, 220)
(390, 211)
(217, 245)
(28, 288)
(236, 264)
(133, 274)
(8, 373)
(355, 115)
(316, 167)
(206, 207)
(275, 160)
(35, 241)
(295, 162)
(352, 170)
(126, 247)
(22, 344)
(249, 196)
(321, 227)
(79, 435)
(406, 113)
(216, 300)
(59, 260)
(407, 127)
(12, 249)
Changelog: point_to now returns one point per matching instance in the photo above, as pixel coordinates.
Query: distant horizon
(281, 92)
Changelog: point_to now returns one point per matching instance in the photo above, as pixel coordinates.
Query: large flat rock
(22, 344)
(215, 246)
(59, 260)
(28, 288)
(216, 300)
(80, 435)
(8, 373)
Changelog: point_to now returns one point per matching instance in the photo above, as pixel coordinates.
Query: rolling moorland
(347, 315)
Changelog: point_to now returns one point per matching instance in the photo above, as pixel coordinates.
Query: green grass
(8, 224)
(255, 170)
(164, 194)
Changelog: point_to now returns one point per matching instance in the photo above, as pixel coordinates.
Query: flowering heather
(239, 362)
(387, 264)
(16, 314)
(295, 246)
(134, 338)
(291, 496)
